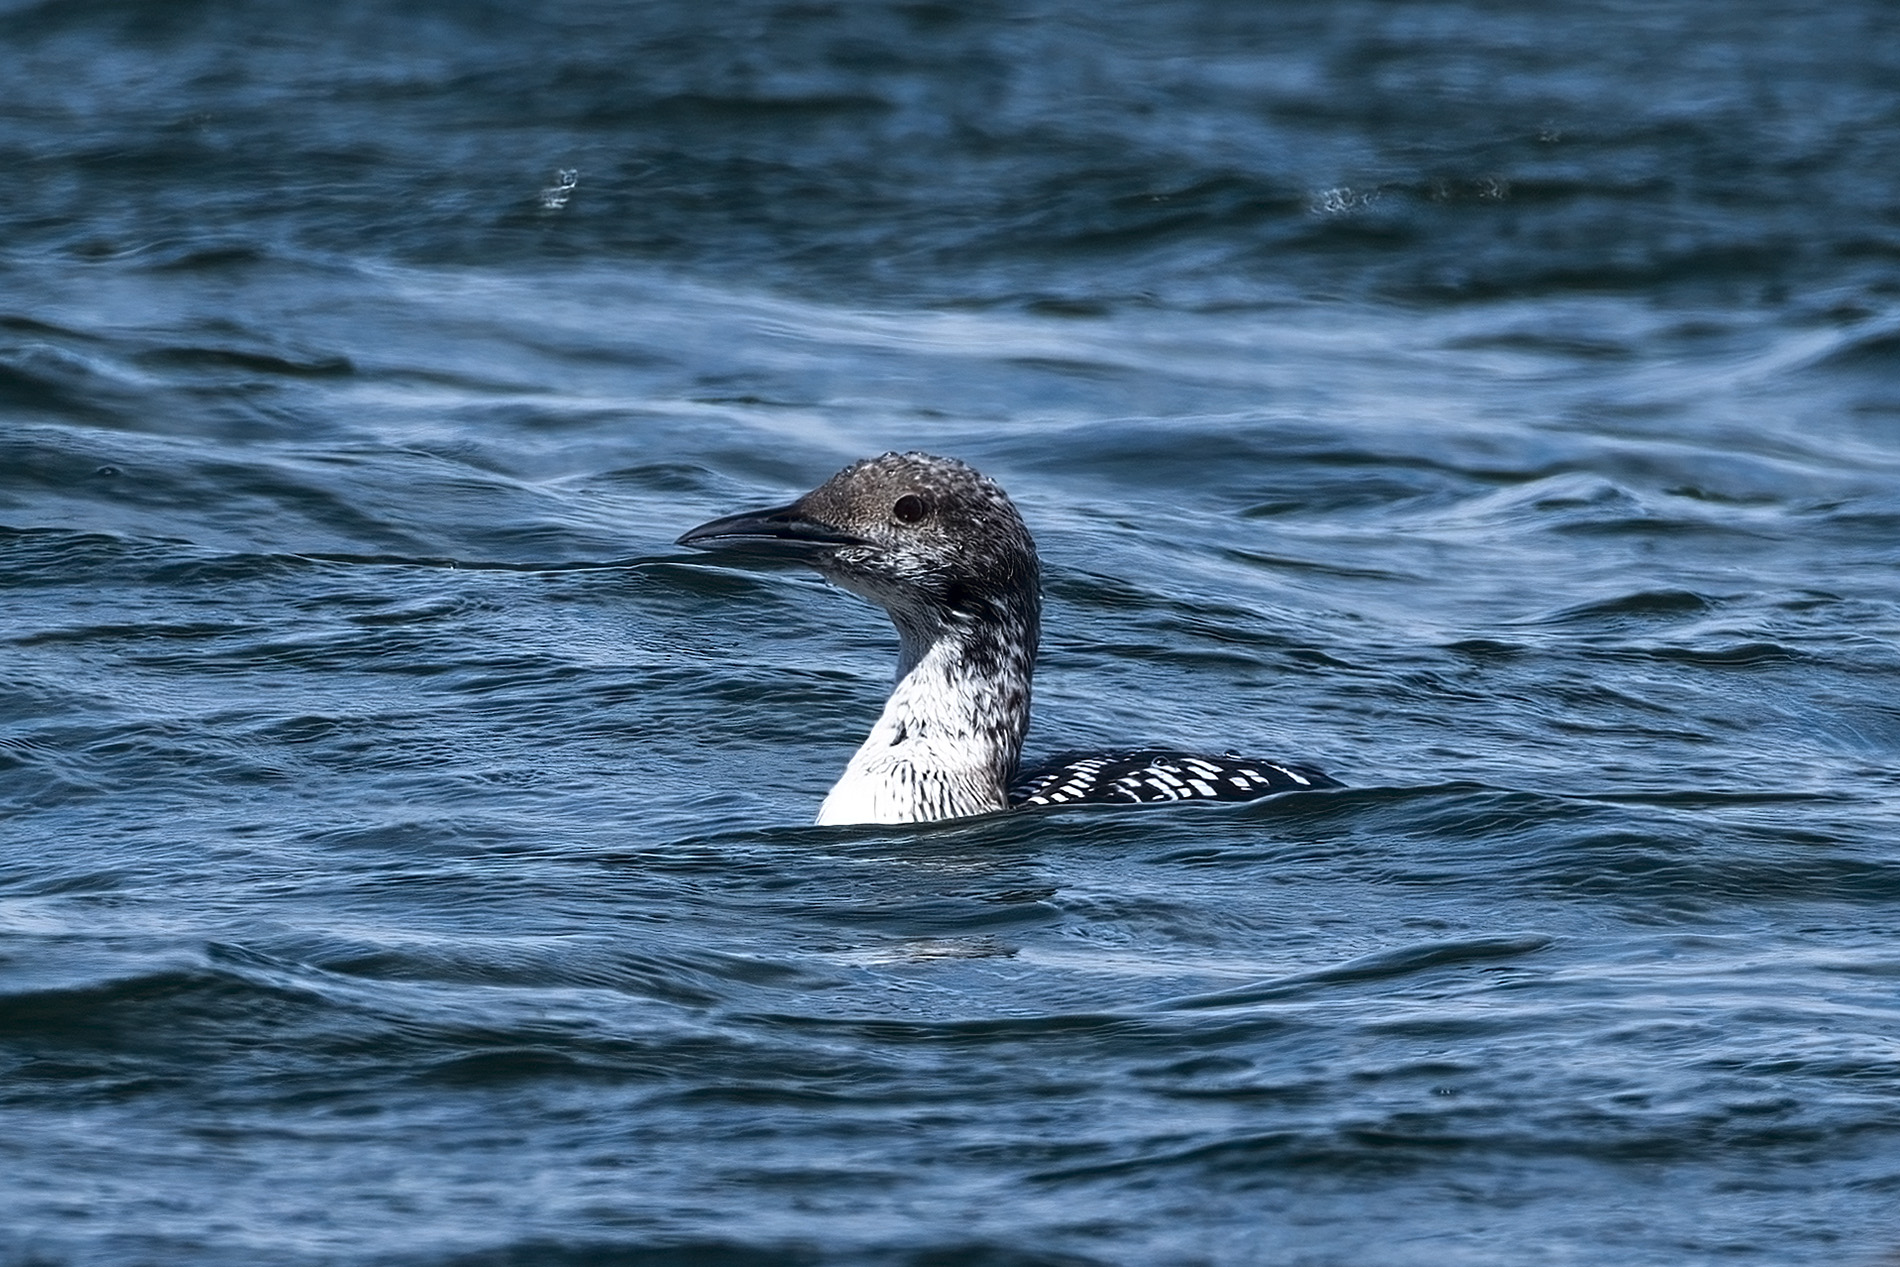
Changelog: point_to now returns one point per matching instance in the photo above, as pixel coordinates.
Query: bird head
(929, 539)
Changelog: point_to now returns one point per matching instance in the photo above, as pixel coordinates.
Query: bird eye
(910, 508)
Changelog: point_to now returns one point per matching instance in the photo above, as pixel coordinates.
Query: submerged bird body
(940, 547)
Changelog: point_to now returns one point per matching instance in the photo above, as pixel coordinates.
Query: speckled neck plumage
(951, 734)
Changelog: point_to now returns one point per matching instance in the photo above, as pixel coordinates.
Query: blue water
(403, 854)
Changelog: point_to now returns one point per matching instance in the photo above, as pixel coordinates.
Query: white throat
(947, 742)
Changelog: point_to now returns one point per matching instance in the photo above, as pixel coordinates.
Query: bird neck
(951, 734)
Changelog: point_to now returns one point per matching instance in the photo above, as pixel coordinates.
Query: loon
(941, 548)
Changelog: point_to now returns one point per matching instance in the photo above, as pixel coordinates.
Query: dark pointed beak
(785, 531)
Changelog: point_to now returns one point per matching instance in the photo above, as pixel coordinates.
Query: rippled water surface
(403, 854)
